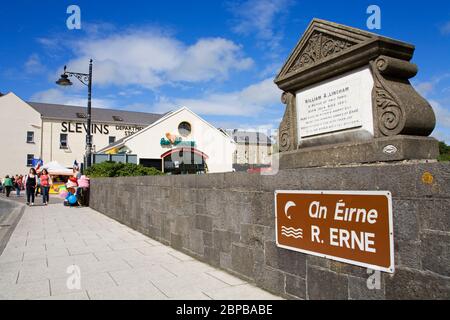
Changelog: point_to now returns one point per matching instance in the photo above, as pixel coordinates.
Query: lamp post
(86, 79)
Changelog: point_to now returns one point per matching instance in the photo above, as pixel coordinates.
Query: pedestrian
(45, 186)
(76, 172)
(21, 178)
(30, 185)
(18, 184)
(38, 186)
(8, 184)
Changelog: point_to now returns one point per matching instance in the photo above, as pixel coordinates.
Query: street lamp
(86, 79)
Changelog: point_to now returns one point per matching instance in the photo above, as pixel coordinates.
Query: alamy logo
(74, 20)
(374, 280)
(74, 280)
(374, 20)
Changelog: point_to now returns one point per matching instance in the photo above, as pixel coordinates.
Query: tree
(444, 151)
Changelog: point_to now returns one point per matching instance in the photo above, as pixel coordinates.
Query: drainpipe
(41, 155)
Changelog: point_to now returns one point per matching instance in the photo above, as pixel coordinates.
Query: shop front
(184, 160)
(179, 143)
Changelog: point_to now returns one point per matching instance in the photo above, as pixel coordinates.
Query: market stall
(59, 174)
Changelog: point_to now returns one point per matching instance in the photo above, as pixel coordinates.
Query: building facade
(179, 142)
(58, 133)
(252, 148)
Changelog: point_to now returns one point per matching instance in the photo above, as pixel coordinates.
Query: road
(10, 213)
(5, 208)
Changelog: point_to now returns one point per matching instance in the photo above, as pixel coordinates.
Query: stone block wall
(228, 221)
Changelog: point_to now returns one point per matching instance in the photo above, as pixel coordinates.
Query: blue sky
(218, 58)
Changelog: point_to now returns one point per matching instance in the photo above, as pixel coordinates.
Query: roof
(250, 137)
(63, 112)
(121, 142)
(115, 144)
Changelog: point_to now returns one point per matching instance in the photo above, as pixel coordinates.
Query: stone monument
(349, 100)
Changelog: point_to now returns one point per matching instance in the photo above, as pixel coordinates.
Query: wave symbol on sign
(292, 232)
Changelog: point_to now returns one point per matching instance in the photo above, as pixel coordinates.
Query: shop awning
(185, 149)
(54, 168)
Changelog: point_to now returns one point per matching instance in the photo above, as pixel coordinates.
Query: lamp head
(64, 80)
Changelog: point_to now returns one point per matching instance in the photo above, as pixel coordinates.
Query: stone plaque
(343, 103)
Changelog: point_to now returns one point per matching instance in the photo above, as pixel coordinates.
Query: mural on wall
(177, 141)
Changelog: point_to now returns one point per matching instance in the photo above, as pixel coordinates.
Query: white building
(252, 148)
(58, 133)
(179, 142)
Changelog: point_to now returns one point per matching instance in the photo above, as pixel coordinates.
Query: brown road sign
(352, 227)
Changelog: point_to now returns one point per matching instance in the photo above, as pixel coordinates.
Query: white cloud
(250, 101)
(59, 96)
(34, 65)
(425, 88)
(150, 59)
(442, 114)
(259, 17)
(48, 42)
(208, 59)
(129, 92)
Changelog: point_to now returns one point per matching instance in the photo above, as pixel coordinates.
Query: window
(63, 141)
(117, 118)
(112, 139)
(30, 158)
(184, 129)
(30, 137)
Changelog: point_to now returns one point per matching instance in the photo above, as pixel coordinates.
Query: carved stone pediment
(328, 49)
(319, 46)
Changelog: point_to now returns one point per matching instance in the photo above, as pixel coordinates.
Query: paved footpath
(115, 262)
(53, 199)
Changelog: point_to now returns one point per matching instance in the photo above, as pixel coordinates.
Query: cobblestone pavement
(114, 261)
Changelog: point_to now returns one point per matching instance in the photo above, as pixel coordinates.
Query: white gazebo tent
(56, 169)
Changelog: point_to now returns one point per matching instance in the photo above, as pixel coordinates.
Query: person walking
(30, 185)
(38, 190)
(21, 178)
(18, 184)
(45, 186)
(8, 185)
